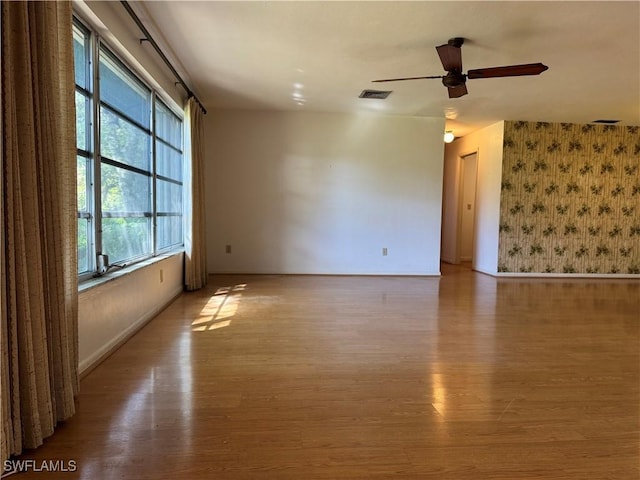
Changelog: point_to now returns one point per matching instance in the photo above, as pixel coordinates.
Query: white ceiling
(276, 55)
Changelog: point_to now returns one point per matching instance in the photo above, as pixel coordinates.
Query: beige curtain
(38, 335)
(194, 239)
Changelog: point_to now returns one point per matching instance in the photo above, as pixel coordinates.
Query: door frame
(459, 201)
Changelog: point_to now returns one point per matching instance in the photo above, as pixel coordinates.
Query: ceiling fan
(451, 57)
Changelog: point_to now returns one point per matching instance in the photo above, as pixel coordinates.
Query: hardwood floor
(302, 377)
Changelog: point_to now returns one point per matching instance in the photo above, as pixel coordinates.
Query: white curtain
(38, 334)
(194, 239)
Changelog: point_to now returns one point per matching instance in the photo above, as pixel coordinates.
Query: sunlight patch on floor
(220, 308)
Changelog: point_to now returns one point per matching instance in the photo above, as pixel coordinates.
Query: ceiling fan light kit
(455, 80)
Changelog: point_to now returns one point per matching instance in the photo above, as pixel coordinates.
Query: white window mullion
(97, 175)
(154, 184)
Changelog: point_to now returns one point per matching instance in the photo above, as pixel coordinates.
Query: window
(168, 143)
(126, 164)
(130, 163)
(81, 47)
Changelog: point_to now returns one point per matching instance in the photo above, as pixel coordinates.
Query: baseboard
(87, 365)
(609, 276)
(303, 274)
(482, 270)
(451, 261)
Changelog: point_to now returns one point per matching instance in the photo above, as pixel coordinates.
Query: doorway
(469, 174)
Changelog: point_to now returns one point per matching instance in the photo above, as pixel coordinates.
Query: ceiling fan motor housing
(454, 79)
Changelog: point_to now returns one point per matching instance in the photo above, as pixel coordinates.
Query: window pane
(169, 231)
(82, 184)
(168, 126)
(121, 90)
(81, 57)
(126, 238)
(168, 162)
(81, 120)
(123, 141)
(125, 191)
(83, 245)
(169, 197)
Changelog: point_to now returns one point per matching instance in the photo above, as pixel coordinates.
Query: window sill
(94, 282)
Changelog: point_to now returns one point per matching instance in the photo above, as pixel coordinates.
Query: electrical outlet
(384, 251)
(228, 249)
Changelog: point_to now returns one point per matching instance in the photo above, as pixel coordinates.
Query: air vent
(379, 94)
(607, 122)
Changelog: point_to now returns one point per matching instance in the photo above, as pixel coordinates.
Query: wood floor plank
(318, 377)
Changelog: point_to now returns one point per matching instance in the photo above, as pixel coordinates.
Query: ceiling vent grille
(378, 94)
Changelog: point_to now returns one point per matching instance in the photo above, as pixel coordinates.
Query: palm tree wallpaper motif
(570, 200)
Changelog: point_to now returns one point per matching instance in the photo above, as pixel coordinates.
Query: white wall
(321, 193)
(111, 312)
(488, 143)
(451, 188)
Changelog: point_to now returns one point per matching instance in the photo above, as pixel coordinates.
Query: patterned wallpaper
(570, 199)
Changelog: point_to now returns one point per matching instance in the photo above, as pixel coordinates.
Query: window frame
(164, 178)
(88, 213)
(94, 161)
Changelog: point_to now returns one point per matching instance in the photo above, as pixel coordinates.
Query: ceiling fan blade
(451, 57)
(508, 71)
(406, 78)
(457, 92)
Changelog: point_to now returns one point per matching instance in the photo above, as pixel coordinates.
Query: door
(468, 205)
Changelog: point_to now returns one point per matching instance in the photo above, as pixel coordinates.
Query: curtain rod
(150, 39)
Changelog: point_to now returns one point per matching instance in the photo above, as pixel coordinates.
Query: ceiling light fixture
(448, 136)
